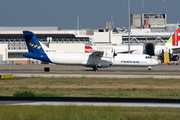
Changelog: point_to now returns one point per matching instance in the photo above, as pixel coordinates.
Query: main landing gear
(95, 68)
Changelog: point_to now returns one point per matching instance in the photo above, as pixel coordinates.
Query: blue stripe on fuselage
(41, 56)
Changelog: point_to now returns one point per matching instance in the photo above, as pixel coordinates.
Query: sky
(92, 13)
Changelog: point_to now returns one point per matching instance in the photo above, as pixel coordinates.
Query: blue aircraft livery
(34, 47)
(124, 61)
(127, 61)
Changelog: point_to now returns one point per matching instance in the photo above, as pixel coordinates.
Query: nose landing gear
(149, 68)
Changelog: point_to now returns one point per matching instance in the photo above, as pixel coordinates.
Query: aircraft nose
(155, 62)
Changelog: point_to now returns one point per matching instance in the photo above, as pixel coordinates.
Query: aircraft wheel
(95, 68)
(149, 68)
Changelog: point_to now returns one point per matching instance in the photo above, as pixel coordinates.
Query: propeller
(114, 54)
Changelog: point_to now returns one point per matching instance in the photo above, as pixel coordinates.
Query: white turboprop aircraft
(172, 46)
(95, 59)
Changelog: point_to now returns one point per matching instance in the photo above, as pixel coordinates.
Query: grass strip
(45, 112)
(29, 93)
(92, 87)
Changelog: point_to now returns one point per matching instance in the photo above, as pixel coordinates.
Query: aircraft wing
(97, 53)
(176, 49)
(119, 52)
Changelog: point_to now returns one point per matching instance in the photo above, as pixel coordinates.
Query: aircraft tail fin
(174, 40)
(33, 44)
(36, 49)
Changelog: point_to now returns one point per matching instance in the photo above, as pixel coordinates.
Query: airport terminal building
(144, 28)
(13, 44)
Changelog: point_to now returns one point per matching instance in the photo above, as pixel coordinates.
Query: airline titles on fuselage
(127, 61)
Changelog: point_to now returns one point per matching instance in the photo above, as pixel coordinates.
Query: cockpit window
(148, 57)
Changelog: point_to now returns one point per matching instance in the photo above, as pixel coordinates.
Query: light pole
(129, 25)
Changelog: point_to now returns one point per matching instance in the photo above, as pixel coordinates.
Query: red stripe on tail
(176, 37)
(87, 48)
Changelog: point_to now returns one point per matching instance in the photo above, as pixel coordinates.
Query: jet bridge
(148, 48)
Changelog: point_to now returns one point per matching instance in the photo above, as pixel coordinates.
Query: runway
(91, 101)
(31, 70)
(40, 67)
(154, 105)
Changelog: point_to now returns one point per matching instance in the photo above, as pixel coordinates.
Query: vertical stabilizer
(33, 44)
(35, 47)
(174, 40)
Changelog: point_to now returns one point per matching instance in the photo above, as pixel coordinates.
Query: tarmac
(52, 67)
(37, 70)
